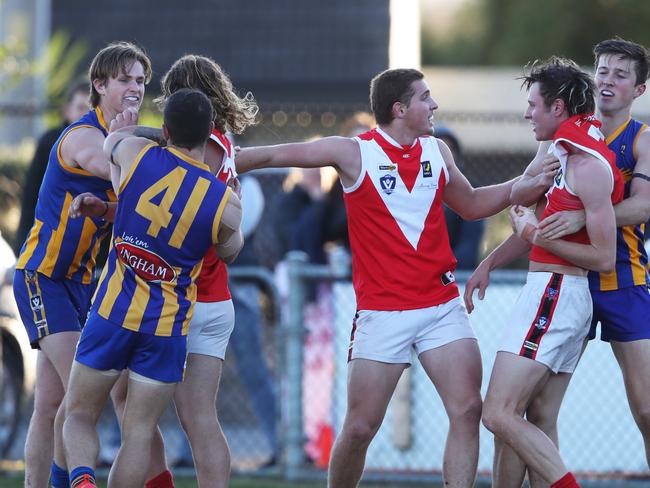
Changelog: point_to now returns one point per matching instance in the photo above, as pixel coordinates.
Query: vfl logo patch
(541, 323)
(36, 303)
(558, 177)
(426, 169)
(552, 293)
(146, 264)
(387, 183)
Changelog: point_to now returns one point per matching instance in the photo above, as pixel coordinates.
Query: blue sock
(77, 473)
(59, 477)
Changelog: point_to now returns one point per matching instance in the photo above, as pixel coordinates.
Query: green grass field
(15, 481)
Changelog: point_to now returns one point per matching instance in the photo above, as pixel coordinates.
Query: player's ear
(398, 110)
(557, 107)
(99, 86)
(165, 132)
(639, 90)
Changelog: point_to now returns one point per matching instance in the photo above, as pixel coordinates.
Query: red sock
(163, 480)
(566, 481)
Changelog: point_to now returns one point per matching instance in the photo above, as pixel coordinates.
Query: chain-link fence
(598, 436)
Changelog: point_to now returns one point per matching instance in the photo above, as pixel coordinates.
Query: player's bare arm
(340, 152)
(229, 234)
(537, 178)
(82, 148)
(122, 148)
(512, 248)
(592, 183)
(634, 210)
(469, 202)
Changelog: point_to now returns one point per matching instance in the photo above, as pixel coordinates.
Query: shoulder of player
(587, 167)
(81, 137)
(642, 144)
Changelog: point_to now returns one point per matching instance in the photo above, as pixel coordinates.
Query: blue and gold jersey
(631, 258)
(168, 214)
(57, 246)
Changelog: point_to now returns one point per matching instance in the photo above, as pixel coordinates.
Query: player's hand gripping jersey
(57, 246)
(401, 257)
(582, 132)
(169, 209)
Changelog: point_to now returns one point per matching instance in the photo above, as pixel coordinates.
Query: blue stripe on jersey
(631, 257)
(57, 246)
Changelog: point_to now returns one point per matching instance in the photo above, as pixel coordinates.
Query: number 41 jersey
(168, 214)
(401, 257)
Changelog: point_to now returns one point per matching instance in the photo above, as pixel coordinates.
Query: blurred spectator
(464, 236)
(76, 105)
(246, 338)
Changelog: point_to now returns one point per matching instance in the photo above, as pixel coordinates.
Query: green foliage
(13, 63)
(507, 32)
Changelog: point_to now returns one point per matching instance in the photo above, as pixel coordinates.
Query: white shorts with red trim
(550, 320)
(210, 328)
(390, 336)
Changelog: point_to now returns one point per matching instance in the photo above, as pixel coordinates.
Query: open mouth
(607, 93)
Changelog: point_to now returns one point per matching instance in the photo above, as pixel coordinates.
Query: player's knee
(543, 419)
(46, 407)
(468, 411)
(360, 431)
(643, 420)
(494, 418)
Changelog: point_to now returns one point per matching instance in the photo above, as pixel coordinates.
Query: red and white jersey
(581, 132)
(401, 257)
(212, 283)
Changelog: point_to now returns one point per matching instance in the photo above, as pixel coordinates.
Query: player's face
(616, 83)
(540, 115)
(127, 89)
(419, 113)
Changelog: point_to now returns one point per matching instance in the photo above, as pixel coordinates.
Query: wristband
(105, 210)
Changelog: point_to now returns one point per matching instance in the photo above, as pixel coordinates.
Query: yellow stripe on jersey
(32, 242)
(64, 165)
(100, 118)
(188, 159)
(137, 306)
(113, 289)
(169, 310)
(636, 138)
(609, 281)
(87, 234)
(618, 131)
(217, 217)
(191, 295)
(638, 271)
(54, 245)
(135, 164)
(189, 212)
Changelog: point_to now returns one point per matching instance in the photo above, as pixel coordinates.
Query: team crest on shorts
(541, 323)
(35, 302)
(387, 183)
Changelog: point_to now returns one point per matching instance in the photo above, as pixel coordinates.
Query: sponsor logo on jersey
(146, 264)
(387, 183)
(387, 167)
(426, 169)
(622, 149)
(448, 278)
(530, 346)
